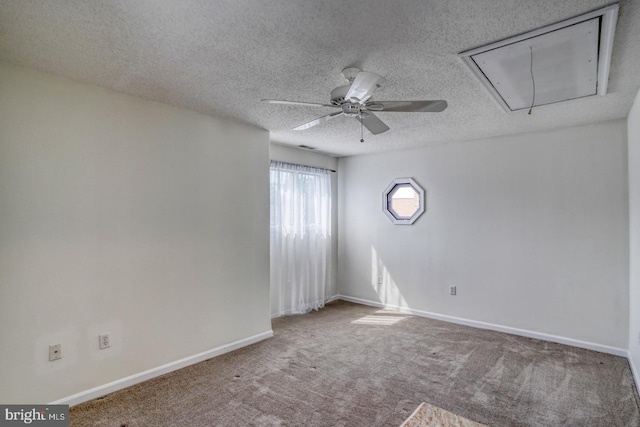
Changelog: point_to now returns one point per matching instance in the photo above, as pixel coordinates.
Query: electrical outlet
(105, 341)
(55, 352)
(379, 280)
(452, 290)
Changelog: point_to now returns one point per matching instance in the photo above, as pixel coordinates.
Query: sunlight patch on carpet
(431, 416)
(378, 320)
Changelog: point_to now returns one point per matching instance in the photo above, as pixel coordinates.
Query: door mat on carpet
(431, 416)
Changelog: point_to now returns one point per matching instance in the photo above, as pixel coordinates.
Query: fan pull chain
(361, 130)
(533, 81)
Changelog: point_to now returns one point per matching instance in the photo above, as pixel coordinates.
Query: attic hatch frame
(608, 16)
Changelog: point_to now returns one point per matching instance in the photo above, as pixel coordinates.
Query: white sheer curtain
(300, 238)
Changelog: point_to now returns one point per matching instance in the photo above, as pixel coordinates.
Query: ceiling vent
(560, 62)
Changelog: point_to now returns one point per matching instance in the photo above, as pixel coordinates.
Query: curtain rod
(307, 166)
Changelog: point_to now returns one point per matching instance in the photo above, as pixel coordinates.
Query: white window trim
(386, 202)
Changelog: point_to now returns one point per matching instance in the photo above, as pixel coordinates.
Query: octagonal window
(403, 201)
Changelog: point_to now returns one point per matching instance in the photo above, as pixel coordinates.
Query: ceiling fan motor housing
(351, 109)
(338, 94)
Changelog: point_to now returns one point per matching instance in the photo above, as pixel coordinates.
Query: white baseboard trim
(493, 327)
(634, 372)
(331, 299)
(120, 384)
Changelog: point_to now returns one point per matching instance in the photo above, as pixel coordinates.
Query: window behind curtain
(300, 237)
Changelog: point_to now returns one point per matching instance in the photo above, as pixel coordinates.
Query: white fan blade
(363, 86)
(373, 123)
(308, 104)
(408, 106)
(317, 121)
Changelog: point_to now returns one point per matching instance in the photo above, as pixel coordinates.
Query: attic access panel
(557, 63)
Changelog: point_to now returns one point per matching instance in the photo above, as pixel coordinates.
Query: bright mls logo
(36, 415)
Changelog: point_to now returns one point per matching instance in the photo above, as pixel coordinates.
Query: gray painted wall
(124, 216)
(531, 229)
(111, 220)
(633, 123)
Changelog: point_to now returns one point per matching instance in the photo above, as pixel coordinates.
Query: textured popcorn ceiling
(221, 57)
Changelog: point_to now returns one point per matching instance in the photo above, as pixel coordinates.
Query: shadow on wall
(383, 283)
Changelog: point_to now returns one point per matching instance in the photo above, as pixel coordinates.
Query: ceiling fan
(355, 100)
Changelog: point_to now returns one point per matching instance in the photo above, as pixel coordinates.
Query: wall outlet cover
(55, 352)
(104, 341)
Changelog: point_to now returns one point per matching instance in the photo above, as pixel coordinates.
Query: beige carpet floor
(352, 365)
